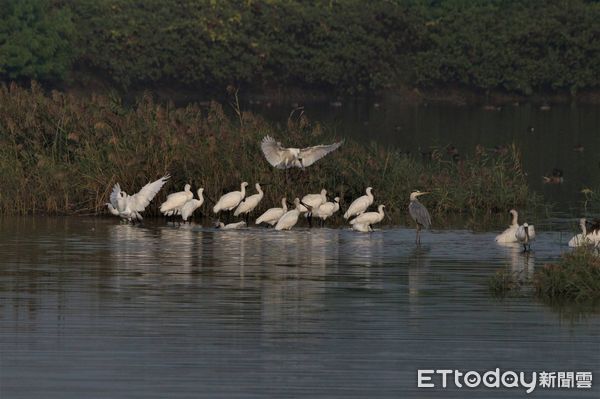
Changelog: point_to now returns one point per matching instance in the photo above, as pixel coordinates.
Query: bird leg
(309, 219)
(418, 241)
(247, 217)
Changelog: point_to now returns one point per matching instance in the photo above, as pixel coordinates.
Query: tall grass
(61, 154)
(575, 278)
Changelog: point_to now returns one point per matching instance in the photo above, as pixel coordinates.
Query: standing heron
(419, 213)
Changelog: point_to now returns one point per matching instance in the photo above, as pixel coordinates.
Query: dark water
(94, 309)
(546, 138)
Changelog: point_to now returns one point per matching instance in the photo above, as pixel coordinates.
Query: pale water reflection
(95, 309)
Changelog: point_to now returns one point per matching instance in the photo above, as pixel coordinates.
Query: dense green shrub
(35, 40)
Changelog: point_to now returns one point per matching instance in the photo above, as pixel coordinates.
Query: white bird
(249, 203)
(190, 206)
(364, 228)
(129, 207)
(230, 200)
(327, 209)
(419, 213)
(174, 202)
(284, 158)
(587, 236)
(360, 205)
(508, 235)
(525, 234)
(272, 215)
(369, 218)
(290, 218)
(313, 201)
(231, 226)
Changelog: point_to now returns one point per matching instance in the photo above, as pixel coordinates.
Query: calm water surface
(94, 309)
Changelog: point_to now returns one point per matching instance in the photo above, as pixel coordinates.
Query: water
(94, 309)
(546, 138)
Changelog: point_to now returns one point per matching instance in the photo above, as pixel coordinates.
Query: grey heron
(419, 213)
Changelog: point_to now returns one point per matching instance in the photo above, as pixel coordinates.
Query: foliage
(346, 46)
(35, 40)
(504, 283)
(574, 278)
(62, 154)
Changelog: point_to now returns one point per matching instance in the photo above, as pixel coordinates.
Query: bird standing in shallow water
(508, 235)
(129, 207)
(230, 200)
(419, 213)
(525, 235)
(590, 234)
(249, 203)
(272, 215)
(369, 218)
(360, 205)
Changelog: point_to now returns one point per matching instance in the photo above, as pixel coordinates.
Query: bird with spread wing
(285, 158)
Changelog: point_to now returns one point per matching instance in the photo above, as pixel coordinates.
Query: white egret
(290, 218)
(327, 209)
(508, 235)
(230, 200)
(174, 201)
(272, 215)
(249, 203)
(190, 206)
(587, 236)
(230, 226)
(525, 234)
(129, 207)
(360, 205)
(284, 158)
(364, 228)
(369, 218)
(419, 213)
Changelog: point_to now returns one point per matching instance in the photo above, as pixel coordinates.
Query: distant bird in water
(545, 107)
(230, 226)
(525, 234)
(578, 148)
(249, 203)
(311, 202)
(175, 201)
(129, 207)
(419, 213)
(555, 178)
(290, 218)
(369, 218)
(285, 158)
(327, 209)
(590, 233)
(190, 206)
(230, 200)
(271, 216)
(508, 236)
(360, 205)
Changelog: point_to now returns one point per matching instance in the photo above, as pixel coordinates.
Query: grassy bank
(574, 279)
(61, 154)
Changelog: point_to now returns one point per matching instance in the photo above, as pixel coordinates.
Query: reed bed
(61, 154)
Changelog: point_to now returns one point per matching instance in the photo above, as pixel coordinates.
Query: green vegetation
(35, 40)
(575, 278)
(350, 46)
(60, 153)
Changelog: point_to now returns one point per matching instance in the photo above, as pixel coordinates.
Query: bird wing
(420, 214)
(115, 195)
(141, 199)
(310, 155)
(272, 150)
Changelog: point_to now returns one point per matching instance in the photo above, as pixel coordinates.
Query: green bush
(35, 40)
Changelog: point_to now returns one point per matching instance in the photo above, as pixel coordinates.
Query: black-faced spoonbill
(272, 215)
(360, 205)
(129, 207)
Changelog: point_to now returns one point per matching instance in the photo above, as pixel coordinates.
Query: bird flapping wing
(310, 155)
(141, 199)
(115, 195)
(272, 150)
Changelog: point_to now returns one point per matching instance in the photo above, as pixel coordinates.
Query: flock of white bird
(183, 204)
